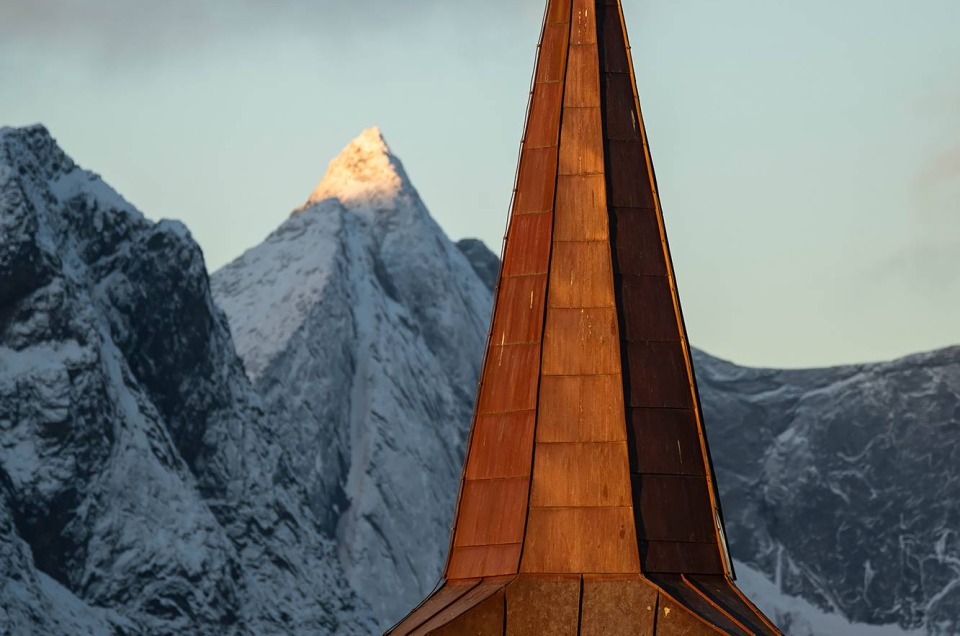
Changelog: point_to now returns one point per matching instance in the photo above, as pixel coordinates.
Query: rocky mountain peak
(32, 147)
(142, 487)
(365, 173)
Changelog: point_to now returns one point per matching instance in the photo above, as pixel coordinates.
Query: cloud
(146, 27)
(943, 170)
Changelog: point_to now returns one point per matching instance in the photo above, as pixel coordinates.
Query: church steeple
(588, 501)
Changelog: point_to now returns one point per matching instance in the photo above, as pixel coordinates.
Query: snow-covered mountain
(151, 483)
(843, 484)
(142, 489)
(362, 325)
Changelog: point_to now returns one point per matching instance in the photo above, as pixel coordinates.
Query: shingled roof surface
(588, 503)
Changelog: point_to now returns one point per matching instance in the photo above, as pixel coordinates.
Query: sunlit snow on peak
(364, 173)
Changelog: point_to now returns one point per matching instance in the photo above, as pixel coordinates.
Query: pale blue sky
(808, 153)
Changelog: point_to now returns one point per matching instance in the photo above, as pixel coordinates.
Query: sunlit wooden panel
(479, 612)
(581, 146)
(528, 245)
(581, 274)
(658, 375)
(543, 605)
(617, 606)
(509, 379)
(543, 126)
(665, 441)
(492, 511)
(520, 306)
(467, 562)
(501, 446)
(581, 211)
(673, 508)
(639, 246)
(450, 592)
(648, 309)
(581, 408)
(675, 556)
(581, 474)
(584, 29)
(583, 77)
(558, 11)
(553, 53)
(596, 540)
(581, 342)
(536, 181)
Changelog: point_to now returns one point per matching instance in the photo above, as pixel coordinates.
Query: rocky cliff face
(362, 327)
(843, 484)
(142, 489)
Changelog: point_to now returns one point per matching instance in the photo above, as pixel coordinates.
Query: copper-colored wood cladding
(581, 539)
(503, 443)
(581, 208)
(483, 560)
(543, 605)
(684, 496)
(581, 408)
(588, 503)
(439, 600)
(588, 604)
(664, 556)
(675, 620)
(617, 606)
(593, 463)
(502, 391)
(665, 441)
(581, 341)
(638, 246)
(487, 618)
(528, 246)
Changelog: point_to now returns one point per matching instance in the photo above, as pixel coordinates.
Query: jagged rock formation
(142, 490)
(843, 484)
(485, 263)
(361, 324)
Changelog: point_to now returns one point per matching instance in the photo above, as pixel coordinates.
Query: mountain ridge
(137, 462)
(401, 316)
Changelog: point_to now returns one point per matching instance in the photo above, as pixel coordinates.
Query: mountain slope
(360, 324)
(844, 483)
(141, 487)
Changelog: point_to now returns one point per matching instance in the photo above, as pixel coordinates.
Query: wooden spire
(588, 502)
